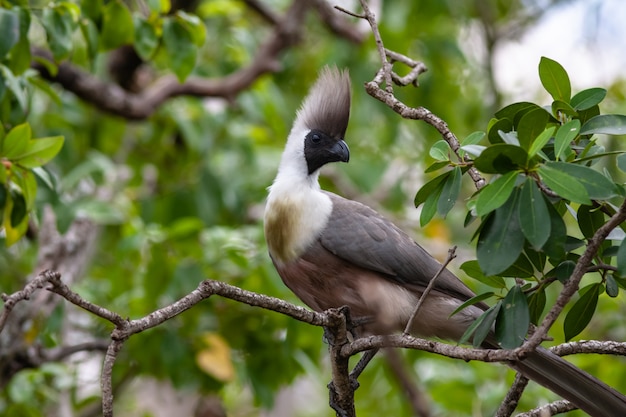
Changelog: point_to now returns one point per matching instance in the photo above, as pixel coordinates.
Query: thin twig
(510, 401)
(429, 287)
(552, 409)
(10, 301)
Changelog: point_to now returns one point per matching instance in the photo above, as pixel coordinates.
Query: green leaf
(91, 35)
(621, 259)
(495, 194)
(25, 179)
(3, 200)
(474, 300)
(180, 48)
(531, 125)
(598, 186)
(621, 162)
(555, 246)
(561, 109)
(588, 98)
(504, 125)
(194, 25)
(59, 24)
(512, 110)
(501, 158)
(590, 219)
(564, 270)
(534, 216)
(430, 187)
(117, 26)
(564, 137)
(473, 138)
(590, 113)
(607, 124)
(581, 312)
(9, 31)
(146, 38)
(541, 141)
(536, 305)
(612, 289)
(472, 269)
(430, 206)
(14, 85)
(440, 151)
(521, 268)
(18, 212)
(501, 239)
(513, 319)
(481, 327)
(563, 184)
(40, 151)
(436, 166)
(450, 192)
(554, 79)
(15, 142)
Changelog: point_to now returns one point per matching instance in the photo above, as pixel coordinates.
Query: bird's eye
(315, 138)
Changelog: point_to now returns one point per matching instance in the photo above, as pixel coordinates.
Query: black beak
(340, 148)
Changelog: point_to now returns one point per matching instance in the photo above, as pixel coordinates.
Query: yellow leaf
(215, 359)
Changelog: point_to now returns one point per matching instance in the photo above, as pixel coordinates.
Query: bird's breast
(293, 221)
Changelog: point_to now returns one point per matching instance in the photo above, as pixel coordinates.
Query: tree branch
(113, 99)
(552, 409)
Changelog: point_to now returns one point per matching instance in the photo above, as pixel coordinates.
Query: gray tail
(586, 392)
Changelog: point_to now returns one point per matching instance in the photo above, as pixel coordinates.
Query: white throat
(297, 211)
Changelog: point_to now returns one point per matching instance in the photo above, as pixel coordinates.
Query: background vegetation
(153, 202)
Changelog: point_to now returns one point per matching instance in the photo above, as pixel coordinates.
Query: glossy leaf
(554, 79)
(536, 305)
(481, 327)
(117, 26)
(440, 151)
(430, 187)
(504, 125)
(194, 26)
(608, 124)
(612, 289)
(621, 162)
(473, 138)
(541, 141)
(534, 216)
(565, 185)
(495, 194)
(564, 137)
(598, 186)
(564, 270)
(146, 38)
(501, 240)
(531, 125)
(513, 319)
(474, 300)
(91, 35)
(512, 110)
(18, 211)
(180, 48)
(521, 268)
(60, 25)
(590, 219)
(430, 206)
(472, 269)
(449, 192)
(581, 312)
(40, 151)
(9, 30)
(16, 141)
(588, 98)
(561, 108)
(501, 158)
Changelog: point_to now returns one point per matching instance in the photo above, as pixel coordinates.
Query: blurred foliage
(186, 188)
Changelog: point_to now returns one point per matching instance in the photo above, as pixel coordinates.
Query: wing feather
(360, 235)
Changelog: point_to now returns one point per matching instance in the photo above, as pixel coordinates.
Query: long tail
(585, 391)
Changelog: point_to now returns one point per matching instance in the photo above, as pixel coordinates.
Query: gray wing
(362, 236)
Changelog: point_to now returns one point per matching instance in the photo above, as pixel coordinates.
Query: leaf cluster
(545, 164)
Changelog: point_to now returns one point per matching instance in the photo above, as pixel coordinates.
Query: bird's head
(317, 136)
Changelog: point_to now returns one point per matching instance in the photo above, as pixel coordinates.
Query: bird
(333, 252)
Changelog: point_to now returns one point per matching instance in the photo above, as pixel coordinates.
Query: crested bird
(333, 252)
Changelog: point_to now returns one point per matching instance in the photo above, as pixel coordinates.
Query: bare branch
(336, 24)
(10, 301)
(601, 347)
(552, 409)
(510, 401)
(429, 287)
